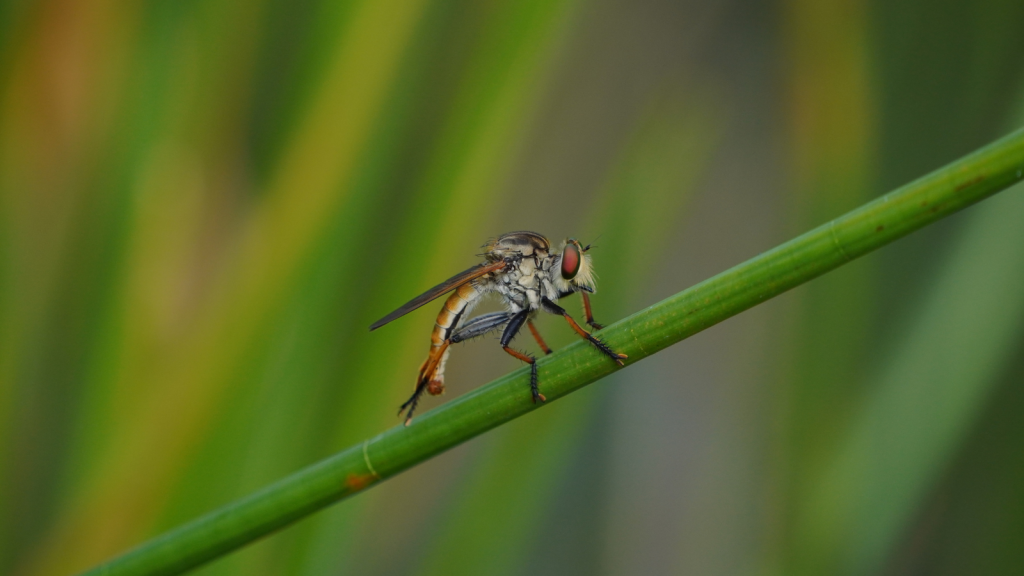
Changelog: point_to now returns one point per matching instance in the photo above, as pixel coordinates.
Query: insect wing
(442, 288)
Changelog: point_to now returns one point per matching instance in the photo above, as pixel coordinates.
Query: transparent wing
(442, 288)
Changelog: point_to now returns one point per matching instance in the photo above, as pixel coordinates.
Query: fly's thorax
(531, 270)
(513, 297)
(527, 266)
(524, 274)
(548, 264)
(512, 292)
(548, 288)
(522, 243)
(529, 273)
(533, 299)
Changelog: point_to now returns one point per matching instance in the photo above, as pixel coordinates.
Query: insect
(528, 276)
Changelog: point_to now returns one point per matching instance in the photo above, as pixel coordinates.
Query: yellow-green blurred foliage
(203, 205)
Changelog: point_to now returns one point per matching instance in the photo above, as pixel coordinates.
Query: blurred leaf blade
(931, 391)
(272, 242)
(830, 101)
(850, 513)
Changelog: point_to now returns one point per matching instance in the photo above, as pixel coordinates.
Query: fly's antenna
(592, 245)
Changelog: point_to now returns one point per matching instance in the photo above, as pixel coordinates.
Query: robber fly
(528, 277)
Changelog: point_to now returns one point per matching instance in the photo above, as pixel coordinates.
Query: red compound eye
(570, 261)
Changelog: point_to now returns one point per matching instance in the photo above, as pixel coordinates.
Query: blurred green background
(205, 204)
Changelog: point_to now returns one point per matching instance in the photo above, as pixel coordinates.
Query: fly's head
(574, 267)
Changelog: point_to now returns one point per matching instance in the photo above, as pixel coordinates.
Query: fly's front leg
(506, 338)
(588, 313)
(585, 292)
(556, 309)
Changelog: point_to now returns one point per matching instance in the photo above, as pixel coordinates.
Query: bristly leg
(536, 336)
(514, 325)
(427, 380)
(480, 325)
(534, 389)
(556, 309)
(411, 403)
(599, 343)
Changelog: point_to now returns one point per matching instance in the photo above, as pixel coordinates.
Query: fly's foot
(595, 325)
(533, 372)
(410, 406)
(608, 351)
(534, 390)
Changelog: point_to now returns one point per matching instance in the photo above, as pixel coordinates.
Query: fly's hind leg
(481, 325)
(429, 379)
(410, 405)
(556, 309)
(506, 337)
(432, 370)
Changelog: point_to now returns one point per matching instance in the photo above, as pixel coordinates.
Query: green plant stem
(825, 248)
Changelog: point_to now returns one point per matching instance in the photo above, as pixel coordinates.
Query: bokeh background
(206, 203)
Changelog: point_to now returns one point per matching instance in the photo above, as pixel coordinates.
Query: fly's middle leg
(536, 336)
(506, 338)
